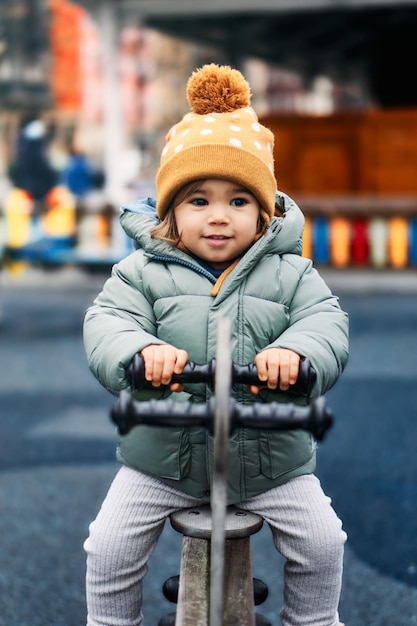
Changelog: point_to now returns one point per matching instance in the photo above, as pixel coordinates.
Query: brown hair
(167, 229)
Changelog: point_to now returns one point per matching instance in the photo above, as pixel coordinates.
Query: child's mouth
(217, 240)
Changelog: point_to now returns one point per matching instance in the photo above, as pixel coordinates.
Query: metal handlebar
(316, 417)
(244, 374)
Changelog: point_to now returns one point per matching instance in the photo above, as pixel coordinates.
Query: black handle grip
(248, 375)
(316, 417)
(243, 374)
(192, 373)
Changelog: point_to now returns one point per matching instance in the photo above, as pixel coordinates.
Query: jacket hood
(283, 235)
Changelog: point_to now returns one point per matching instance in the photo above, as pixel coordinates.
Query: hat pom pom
(217, 89)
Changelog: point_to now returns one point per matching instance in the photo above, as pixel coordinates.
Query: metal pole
(114, 132)
(223, 383)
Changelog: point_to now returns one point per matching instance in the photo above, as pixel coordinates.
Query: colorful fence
(340, 233)
(377, 232)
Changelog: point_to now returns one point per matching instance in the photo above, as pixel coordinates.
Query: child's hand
(161, 362)
(276, 365)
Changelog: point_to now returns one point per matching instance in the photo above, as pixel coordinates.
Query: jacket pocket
(283, 452)
(162, 452)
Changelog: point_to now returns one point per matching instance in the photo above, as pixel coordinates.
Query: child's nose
(218, 214)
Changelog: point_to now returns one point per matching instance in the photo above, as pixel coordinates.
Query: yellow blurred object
(103, 231)
(18, 211)
(16, 268)
(307, 239)
(398, 241)
(59, 220)
(340, 237)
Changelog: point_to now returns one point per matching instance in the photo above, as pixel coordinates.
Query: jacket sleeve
(318, 328)
(120, 323)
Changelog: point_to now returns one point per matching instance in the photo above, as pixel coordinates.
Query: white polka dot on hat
(220, 138)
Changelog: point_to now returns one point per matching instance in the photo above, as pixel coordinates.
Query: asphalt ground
(57, 457)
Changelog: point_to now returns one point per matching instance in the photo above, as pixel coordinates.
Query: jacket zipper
(199, 270)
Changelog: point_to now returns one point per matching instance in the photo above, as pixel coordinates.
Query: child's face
(218, 221)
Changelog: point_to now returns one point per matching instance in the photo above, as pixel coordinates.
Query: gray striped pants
(305, 530)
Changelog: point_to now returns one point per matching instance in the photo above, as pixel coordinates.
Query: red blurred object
(360, 242)
(65, 34)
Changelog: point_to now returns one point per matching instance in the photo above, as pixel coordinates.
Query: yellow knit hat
(220, 138)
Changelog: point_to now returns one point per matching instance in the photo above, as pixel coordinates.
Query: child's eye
(239, 202)
(198, 201)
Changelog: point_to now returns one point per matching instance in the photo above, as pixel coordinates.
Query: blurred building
(24, 54)
(331, 79)
(52, 65)
(24, 68)
(51, 62)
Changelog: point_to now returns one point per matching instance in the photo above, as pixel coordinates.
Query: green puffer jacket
(273, 297)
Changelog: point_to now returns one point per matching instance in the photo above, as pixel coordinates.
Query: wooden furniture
(355, 178)
(372, 153)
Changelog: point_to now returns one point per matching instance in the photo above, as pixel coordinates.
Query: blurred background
(89, 89)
